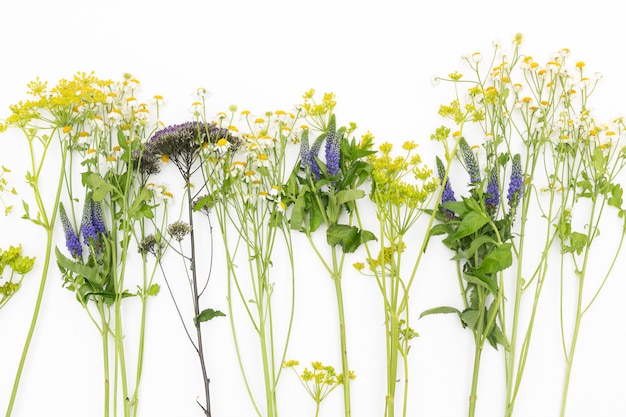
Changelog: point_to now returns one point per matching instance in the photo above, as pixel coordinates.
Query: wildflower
(308, 155)
(149, 244)
(145, 162)
(493, 192)
(179, 230)
(281, 206)
(181, 142)
(71, 238)
(304, 149)
(447, 195)
(333, 148)
(471, 163)
(516, 184)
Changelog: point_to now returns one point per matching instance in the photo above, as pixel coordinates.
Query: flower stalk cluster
(536, 124)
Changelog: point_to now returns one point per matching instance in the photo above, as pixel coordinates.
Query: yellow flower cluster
(62, 105)
(318, 113)
(389, 175)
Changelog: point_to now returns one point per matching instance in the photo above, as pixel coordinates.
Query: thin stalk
(342, 333)
(478, 340)
(196, 309)
(579, 311)
(142, 329)
(104, 333)
(48, 224)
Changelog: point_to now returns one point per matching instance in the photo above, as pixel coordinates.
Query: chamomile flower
(222, 145)
(275, 190)
(262, 160)
(250, 176)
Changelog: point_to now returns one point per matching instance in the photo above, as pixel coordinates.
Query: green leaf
(345, 196)
(349, 237)
(440, 310)
(298, 212)
(474, 246)
(470, 318)
(139, 209)
(495, 338)
(88, 272)
(154, 289)
(598, 162)
(316, 216)
(208, 314)
(333, 209)
(616, 196)
(208, 202)
(99, 186)
(482, 280)
(578, 241)
(498, 260)
(471, 223)
(457, 207)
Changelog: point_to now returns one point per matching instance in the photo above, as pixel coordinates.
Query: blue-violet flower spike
(98, 218)
(447, 195)
(493, 191)
(304, 149)
(71, 238)
(333, 147)
(87, 228)
(516, 184)
(313, 154)
(471, 163)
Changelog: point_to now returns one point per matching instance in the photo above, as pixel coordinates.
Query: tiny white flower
(275, 190)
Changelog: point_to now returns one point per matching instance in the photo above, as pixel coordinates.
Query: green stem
(266, 369)
(392, 362)
(342, 334)
(579, 308)
(33, 323)
(478, 340)
(104, 333)
(48, 224)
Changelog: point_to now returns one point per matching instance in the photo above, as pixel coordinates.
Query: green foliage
(208, 314)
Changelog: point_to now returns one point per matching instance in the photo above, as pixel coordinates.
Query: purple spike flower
(98, 218)
(71, 238)
(308, 155)
(304, 149)
(87, 228)
(447, 195)
(471, 163)
(516, 184)
(333, 148)
(313, 154)
(493, 192)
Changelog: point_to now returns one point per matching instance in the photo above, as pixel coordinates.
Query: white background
(378, 57)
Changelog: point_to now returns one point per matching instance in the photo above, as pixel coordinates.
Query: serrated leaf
(483, 280)
(349, 237)
(85, 271)
(470, 318)
(208, 314)
(498, 260)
